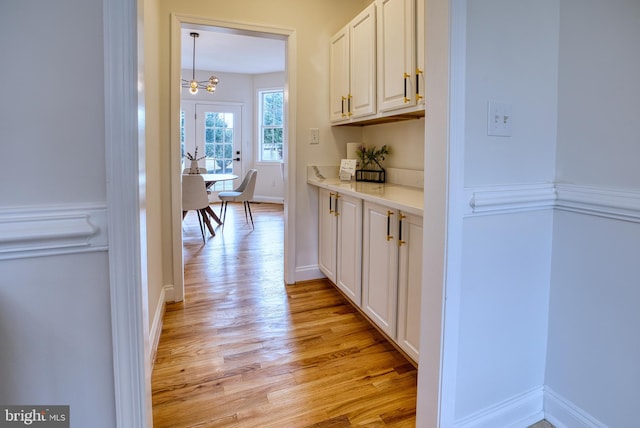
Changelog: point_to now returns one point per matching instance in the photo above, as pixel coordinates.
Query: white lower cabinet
(409, 283)
(392, 273)
(340, 241)
(373, 254)
(379, 267)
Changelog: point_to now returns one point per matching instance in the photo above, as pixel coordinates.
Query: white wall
(55, 324)
(599, 93)
(511, 57)
(405, 140)
(594, 348)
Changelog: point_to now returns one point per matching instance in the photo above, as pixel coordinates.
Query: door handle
(236, 159)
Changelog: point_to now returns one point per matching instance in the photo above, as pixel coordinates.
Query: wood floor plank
(246, 350)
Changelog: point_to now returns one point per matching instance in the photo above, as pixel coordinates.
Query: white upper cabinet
(339, 75)
(377, 64)
(353, 68)
(396, 50)
(400, 60)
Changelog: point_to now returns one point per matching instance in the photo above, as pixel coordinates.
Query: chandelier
(193, 84)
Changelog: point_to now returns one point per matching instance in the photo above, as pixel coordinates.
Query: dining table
(210, 180)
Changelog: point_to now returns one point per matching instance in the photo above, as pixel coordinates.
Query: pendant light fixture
(193, 84)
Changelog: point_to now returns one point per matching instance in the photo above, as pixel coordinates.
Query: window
(271, 116)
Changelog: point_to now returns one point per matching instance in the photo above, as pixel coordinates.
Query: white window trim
(258, 145)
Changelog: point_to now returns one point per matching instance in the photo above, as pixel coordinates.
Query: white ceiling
(225, 51)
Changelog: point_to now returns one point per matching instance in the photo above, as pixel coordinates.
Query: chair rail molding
(46, 230)
(484, 200)
(619, 204)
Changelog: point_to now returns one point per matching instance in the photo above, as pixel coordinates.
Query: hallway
(244, 350)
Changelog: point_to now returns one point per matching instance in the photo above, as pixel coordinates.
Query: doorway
(247, 149)
(215, 130)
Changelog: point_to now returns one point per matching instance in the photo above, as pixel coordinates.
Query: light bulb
(193, 90)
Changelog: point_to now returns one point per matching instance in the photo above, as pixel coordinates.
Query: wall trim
(562, 413)
(610, 203)
(509, 198)
(268, 199)
(307, 273)
(156, 325)
(619, 204)
(46, 230)
(519, 411)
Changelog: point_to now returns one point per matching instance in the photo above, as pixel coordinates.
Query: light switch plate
(499, 119)
(314, 136)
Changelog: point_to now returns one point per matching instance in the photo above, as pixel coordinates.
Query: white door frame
(124, 162)
(124, 145)
(289, 154)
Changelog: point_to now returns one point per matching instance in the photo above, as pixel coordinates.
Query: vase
(194, 169)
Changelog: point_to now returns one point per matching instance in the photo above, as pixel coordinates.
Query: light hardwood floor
(244, 350)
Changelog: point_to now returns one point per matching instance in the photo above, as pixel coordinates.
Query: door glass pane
(219, 145)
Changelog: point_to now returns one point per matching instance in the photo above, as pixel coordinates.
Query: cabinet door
(362, 99)
(379, 266)
(397, 54)
(349, 247)
(409, 283)
(339, 75)
(327, 234)
(420, 41)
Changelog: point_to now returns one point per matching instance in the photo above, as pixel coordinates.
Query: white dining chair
(243, 193)
(194, 197)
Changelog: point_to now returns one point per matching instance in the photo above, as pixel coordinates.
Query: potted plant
(370, 160)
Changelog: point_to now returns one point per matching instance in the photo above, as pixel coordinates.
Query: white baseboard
(307, 273)
(562, 413)
(156, 326)
(268, 199)
(169, 293)
(519, 411)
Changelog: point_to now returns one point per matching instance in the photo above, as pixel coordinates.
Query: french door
(218, 136)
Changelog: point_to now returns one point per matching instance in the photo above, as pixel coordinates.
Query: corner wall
(592, 373)
(511, 57)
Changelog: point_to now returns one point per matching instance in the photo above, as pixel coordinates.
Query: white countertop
(405, 198)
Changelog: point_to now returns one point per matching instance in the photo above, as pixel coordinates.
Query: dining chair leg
(246, 219)
(248, 206)
(201, 226)
(224, 212)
